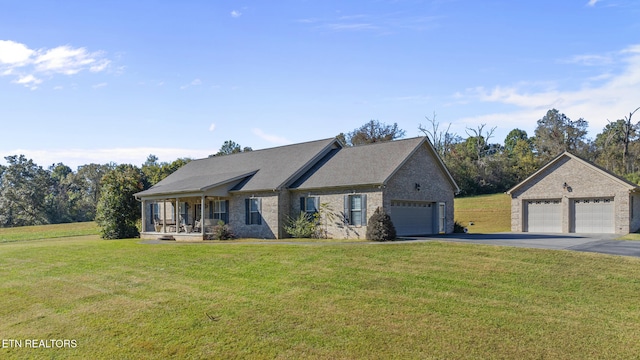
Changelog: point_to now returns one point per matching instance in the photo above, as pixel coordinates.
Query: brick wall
(583, 181)
(422, 168)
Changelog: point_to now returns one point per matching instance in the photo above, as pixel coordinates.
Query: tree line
(32, 195)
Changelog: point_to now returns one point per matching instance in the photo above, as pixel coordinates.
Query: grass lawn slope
(44, 232)
(488, 213)
(121, 299)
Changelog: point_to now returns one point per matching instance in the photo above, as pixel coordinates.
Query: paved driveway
(599, 243)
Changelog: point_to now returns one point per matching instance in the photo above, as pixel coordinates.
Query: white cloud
(97, 86)
(195, 82)
(212, 127)
(592, 2)
(236, 14)
(270, 138)
(18, 60)
(612, 98)
(14, 53)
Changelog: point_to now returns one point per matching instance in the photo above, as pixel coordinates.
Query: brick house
(572, 195)
(257, 192)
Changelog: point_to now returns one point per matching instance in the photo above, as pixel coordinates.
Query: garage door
(412, 217)
(592, 216)
(544, 216)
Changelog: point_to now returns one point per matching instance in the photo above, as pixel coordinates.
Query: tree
(512, 139)
(155, 171)
(23, 190)
(64, 194)
(557, 133)
(629, 131)
(441, 140)
(88, 179)
(118, 212)
(231, 147)
(372, 132)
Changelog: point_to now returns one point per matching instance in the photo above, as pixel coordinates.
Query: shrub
(380, 227)
(302, 226)
(222, 231)
(458, 228)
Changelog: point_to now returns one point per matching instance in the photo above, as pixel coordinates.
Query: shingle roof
(268, 169)
(362, 165)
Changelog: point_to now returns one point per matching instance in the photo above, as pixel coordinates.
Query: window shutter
(364, 208)
(303, 208)
(259, 211)
(347, 210)
(225, 216)
(247, 211)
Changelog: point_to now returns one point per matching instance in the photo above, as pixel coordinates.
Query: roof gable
(372, 164)
(568, 155)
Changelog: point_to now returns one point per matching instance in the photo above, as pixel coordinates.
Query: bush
(457, 228)
(380, 227)
(221, 231)
(302, 226)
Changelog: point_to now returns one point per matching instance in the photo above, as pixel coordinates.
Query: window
(442, 218)
(355, 209)
(310, 205)
(154, 213)
(197, 212)
(252, 211)
(220, 210)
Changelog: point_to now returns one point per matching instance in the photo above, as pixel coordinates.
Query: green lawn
(488, 213)
(126, 300)
(43, 232)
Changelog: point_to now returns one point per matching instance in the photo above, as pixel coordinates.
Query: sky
(114, 81)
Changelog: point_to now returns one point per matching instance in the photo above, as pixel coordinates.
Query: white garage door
(592, 216)
(412, 217)
(544, 216)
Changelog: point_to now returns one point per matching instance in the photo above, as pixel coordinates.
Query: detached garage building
(572, 195)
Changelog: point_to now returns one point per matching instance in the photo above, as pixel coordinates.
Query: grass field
(123, 299)
(48, 231)
(488, 213)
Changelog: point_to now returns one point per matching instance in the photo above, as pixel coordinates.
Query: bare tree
(628, 130)
(481, 141)
(441, 140)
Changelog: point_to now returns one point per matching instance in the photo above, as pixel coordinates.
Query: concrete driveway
(599, 243)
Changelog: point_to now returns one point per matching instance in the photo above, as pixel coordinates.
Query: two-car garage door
(585, 216)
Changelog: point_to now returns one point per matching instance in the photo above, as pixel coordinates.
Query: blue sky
(98, 81)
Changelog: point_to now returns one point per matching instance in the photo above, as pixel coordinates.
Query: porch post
(164, 215)
(177, 215)
(144, 222)
(202, 215)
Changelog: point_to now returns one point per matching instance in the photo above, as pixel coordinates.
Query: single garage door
(543, 216)
(412, 217)
(592, 216)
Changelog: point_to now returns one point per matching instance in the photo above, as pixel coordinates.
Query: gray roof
(371, 164)
(266, 169)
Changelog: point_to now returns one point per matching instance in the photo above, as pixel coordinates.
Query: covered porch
(186, 218)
